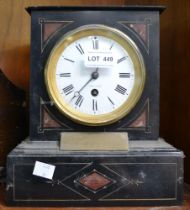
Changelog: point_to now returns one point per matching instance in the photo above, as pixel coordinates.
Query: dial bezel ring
(126, 43)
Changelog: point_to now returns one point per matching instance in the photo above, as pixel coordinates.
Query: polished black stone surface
(122, 18)
(147, 174)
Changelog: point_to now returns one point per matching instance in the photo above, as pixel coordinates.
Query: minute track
(121, 59)
(111, 101)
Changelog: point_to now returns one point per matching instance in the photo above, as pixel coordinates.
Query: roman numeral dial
(124, 75)
(68, 89)
(79, 100)
(95, 43)
(65, 74)
(94, 105)
(95, 90)
(120, 89)
(80, 49)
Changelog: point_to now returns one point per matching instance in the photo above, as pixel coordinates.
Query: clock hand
(94, 75)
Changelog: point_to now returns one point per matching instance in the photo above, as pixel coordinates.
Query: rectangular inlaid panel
(152, 177)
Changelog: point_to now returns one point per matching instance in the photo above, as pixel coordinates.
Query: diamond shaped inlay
(94, 181)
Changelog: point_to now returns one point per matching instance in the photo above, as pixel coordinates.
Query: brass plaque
(94, 141)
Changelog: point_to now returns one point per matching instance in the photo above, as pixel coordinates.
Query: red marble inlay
(140, 121)
(50, 28)
(141, 29)
(48, 122)
(94, 181)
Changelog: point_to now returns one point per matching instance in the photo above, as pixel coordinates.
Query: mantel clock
(94, 112)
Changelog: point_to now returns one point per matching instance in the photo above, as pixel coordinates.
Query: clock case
(150, 173)
(47, 28)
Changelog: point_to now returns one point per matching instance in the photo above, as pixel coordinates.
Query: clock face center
(95, 75)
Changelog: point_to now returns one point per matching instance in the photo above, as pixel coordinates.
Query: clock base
(149, 174)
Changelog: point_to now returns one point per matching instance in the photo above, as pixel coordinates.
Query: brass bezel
(126, 43)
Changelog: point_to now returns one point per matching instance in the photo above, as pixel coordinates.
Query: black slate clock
(94, 71)
(123, 93)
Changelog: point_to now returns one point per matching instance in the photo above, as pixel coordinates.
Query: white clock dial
(95, 75)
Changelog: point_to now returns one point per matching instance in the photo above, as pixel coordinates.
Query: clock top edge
(159, 8)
